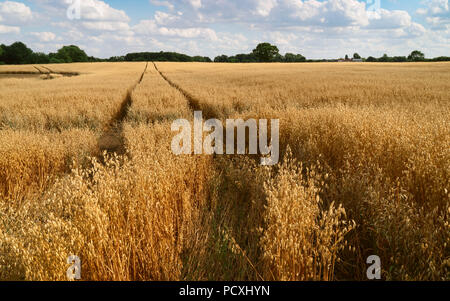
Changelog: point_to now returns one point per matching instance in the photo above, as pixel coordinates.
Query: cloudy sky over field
(316, 29)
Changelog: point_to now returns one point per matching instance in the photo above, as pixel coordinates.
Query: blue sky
(316, 29)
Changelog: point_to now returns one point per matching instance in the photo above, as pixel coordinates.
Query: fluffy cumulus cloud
(326, 28)
(331, 13)
(12, 16)
(92, 24)
(162, 3)
(106, 26)
(14, 12)
(437, 13)
(44, 36)
(96, 10)
(285, 15)
(396, 23)
(385, 19)
(152, 28)
(9, 29)
(294, 25)
(97, 16)
(196, 4)
(264, 7)
(276, 13)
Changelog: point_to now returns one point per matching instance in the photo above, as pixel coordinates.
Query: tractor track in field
(49, 74)
(37, 72)
(194, 103)
(50, 71)
(40, 71)
(112, 140)
(209, 113)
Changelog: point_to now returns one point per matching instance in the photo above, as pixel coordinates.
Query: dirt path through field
(212, 215)
(194, 103)
(50, 71)
(112, 140)
(40, 71)
(22, 74)
(47, 74)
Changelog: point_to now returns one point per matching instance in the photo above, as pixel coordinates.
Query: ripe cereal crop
(86, 168)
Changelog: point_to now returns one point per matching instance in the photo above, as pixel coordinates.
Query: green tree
(265, 52)
(116, 59)
(441, 59)
(293, 58)
(346, 57)
(356, 56)
(2, 51)
(54, 60)
(202, 59)
(221, 59)
(278, 58)
(399, 59)
(384, 58)
(17, 53)
(244, 58)
(71, 54)
(39, 58)
(289, 57)
(416, 56)
(2, 47)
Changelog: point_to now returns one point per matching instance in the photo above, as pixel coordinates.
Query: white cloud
(328, 28)
(9, 29)
(264, 7)
(437, 14)
(44, 36)
(167, 4)
(14, 12)
(384, 19)
(274, 12)
(96, 10)
(396, 23)
(282, 39)
(196, 3)
(106, 26)
(152, 28)
(164, 18)
(102, 30)
(331, 13)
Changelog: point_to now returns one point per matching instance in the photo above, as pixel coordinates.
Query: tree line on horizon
(18, 53)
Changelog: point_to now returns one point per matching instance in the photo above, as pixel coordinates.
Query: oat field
(86, 169)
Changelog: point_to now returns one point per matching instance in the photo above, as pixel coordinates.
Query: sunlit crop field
(87, 169)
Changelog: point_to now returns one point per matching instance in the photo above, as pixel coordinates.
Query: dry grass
(155, 101)
(86, 101)
(255, 88)
(46, 125)
(381, 133)
(31, 161)
(365, 171)
(17, 69)
(302, 240)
